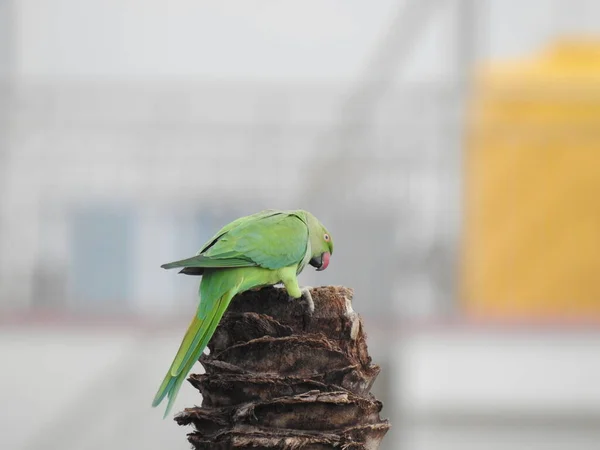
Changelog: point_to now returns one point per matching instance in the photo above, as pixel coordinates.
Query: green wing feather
(270, 239)
(237, 223)
(203, 261)
(271, 242)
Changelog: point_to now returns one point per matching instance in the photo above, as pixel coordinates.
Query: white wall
(153, 40)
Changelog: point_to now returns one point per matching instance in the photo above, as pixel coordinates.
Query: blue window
(101, 256)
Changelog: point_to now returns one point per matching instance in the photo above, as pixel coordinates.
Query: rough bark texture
(277, 378)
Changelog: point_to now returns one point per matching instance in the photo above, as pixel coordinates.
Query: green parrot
(262, 249)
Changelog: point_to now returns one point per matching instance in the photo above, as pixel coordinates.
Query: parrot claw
(306, 295)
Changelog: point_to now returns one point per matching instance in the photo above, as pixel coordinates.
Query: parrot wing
(270, 239)
(237, 223)
(273, 241)
(209, 263)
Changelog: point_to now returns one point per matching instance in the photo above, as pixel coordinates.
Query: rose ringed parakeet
(262, 249)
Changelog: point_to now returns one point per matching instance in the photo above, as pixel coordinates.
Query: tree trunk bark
(277, 378)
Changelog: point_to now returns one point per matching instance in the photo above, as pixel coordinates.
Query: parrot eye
(326, 237)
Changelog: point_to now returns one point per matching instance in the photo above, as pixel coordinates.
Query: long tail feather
(194, 342)
(183, 374)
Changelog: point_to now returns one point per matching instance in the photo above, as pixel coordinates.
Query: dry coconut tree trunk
(279, 379)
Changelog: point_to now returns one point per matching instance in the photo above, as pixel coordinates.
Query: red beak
(324, 261)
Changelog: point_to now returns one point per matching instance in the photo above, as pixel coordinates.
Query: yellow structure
(532, 199)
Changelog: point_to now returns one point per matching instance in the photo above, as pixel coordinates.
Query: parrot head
(321, 243)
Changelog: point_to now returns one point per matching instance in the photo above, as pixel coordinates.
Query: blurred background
(452, 148)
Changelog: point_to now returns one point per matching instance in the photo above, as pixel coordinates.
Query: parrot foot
(306, 295)
(354, 319)
(310, 307)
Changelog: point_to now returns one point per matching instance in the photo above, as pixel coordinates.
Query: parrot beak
(320, 262)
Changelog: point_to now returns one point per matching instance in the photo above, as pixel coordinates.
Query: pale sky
(272, 40)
